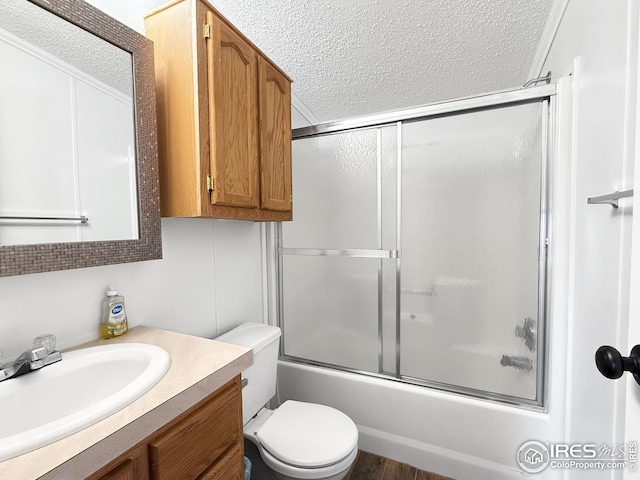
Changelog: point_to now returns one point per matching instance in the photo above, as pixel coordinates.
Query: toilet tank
(261, 376)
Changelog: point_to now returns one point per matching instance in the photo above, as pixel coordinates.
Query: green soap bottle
(114, 317)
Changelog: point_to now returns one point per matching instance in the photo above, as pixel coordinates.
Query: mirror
(78, 153)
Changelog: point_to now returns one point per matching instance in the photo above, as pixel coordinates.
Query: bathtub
(441, 432)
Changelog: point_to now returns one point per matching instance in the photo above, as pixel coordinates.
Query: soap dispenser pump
(114, 318)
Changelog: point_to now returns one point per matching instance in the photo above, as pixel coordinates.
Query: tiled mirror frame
(26, 259)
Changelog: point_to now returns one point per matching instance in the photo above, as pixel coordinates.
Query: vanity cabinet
(206, 443)
(224, 118)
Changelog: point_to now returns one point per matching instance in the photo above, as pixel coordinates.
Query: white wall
(597, 42)
(632, 412)
(209, 280)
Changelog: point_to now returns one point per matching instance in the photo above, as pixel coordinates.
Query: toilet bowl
(304, 441)
(298, 440)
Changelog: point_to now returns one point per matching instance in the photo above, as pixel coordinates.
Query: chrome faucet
(42, 354)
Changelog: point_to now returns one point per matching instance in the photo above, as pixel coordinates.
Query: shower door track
(431, 110)
(408, 380)
(396, 118)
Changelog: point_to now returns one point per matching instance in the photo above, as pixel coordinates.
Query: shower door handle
(612, 364)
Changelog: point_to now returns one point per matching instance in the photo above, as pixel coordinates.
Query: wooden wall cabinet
(224, 118)
(206, 443)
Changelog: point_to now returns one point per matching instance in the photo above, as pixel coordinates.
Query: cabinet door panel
(134, 465)
(125, 471)
(188, 449)
(232, 74)
(275, 138)
(229, 467)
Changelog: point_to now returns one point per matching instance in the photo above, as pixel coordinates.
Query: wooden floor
(372, 467)
(366, 467)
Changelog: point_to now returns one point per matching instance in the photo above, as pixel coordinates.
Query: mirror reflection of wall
(67, 133)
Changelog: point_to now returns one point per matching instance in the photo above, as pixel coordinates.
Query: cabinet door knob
(612, 364)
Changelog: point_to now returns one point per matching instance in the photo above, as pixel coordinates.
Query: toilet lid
(308, 435)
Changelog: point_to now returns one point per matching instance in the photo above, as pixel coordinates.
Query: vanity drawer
(195, 443)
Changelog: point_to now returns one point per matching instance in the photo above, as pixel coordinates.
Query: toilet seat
(283, 471)
(308, 435)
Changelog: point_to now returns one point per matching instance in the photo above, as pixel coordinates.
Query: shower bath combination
(419, 247)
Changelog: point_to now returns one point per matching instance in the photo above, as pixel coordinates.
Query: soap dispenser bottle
(114, 318)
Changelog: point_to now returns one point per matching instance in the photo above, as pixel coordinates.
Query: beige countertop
(199, 366)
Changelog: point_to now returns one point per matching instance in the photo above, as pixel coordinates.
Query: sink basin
(85, 387)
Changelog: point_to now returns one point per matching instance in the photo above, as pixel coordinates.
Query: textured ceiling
(353, 57)
(356, 57)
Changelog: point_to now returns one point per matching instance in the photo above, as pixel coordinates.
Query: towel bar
(81, 219)
(610, 199)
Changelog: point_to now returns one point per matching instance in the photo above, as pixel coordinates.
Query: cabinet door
(126, 471)
(133, 465)
(229, 467)
(275, 138)
(192, 445)
(233, 113)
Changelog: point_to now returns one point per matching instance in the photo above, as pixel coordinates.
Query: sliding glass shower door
(332, 258)
(471, 211)
(418, 250)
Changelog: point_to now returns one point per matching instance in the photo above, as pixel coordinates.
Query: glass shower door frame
(545, 94)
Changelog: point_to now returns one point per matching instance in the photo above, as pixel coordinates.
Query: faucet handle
(47, 341)
(38, 354)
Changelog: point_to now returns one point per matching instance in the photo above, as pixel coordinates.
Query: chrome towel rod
(81, 219)
(610, 199)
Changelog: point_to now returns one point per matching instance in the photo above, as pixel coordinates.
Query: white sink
(85, 387)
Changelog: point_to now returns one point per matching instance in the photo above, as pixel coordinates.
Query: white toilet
(298, 440)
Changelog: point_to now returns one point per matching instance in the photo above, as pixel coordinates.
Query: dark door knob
(612, 364)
